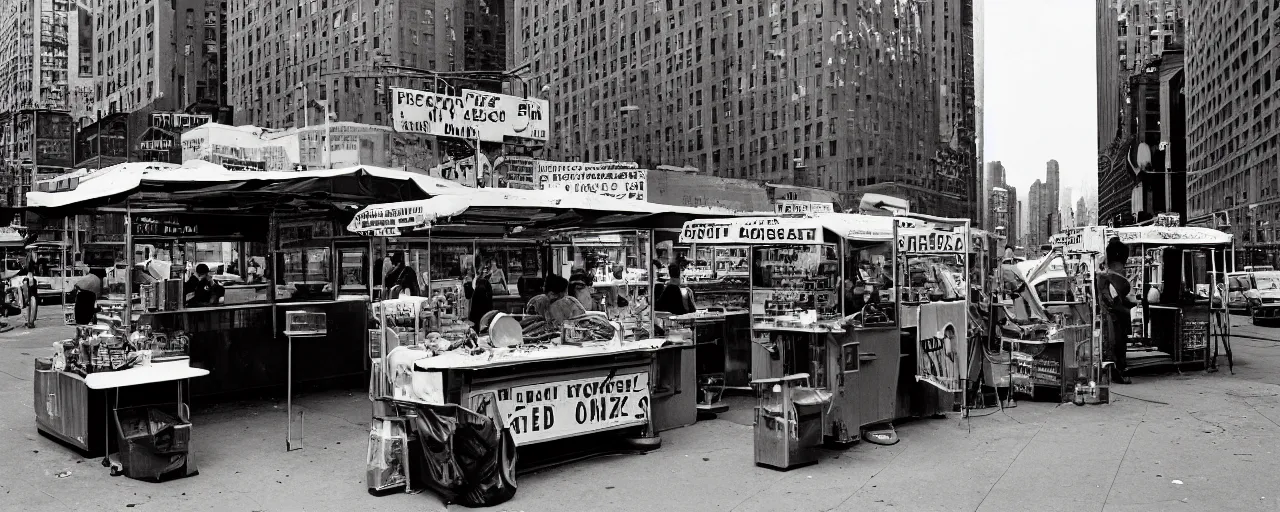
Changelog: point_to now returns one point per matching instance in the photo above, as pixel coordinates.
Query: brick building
(852, 96)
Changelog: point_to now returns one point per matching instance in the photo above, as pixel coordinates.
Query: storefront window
(795, 285)
(868, 274)
(305, 274)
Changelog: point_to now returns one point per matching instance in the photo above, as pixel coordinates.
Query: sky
(1040, 90)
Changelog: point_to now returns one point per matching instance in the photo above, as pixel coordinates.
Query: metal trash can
(788, 421)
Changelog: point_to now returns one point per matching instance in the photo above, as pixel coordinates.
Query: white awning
(787, 230)
(1157, 235)
(388, 218)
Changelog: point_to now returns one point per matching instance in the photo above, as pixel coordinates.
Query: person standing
(400, 276)
(87, 291)
(676, 298)
(1114, 293)
(29, 288)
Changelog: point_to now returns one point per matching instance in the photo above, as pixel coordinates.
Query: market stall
(931, 269)
(819, 303)
(537, 378)
(1177, 272)
(202, 265)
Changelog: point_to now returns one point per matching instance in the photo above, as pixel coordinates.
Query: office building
(1232, 123)
(855, 96)
(1051, 200)
(1132, 34)
(1004, 217)
(288, 61)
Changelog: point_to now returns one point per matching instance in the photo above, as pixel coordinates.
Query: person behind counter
(87, 291)
(556, 305)
(676, 298)
(402, 276)
(200, 290)
(480, 293)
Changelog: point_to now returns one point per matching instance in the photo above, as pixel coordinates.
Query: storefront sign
(928, 241)
(156, 145)
(752, 231)
(476, 114)
(802, 207)
(592, 179)
(387, 219)
(1168, 220)
(942, 344)
(556, 410)
(177, 121)
(162, 225)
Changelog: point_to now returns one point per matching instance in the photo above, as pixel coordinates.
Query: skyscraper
(860, 96)
(1050, 203)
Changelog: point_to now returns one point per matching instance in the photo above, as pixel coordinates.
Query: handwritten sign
(601, 179)
(174, 120)
(928, 241)
(556, 410)
(156, 145)
(476, 114)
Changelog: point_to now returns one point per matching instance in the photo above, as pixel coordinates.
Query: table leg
(288, 429)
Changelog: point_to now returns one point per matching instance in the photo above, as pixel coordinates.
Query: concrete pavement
(1191, 442)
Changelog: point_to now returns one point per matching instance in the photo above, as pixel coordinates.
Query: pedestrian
(87, 291)
(1115, 292)
(28, 288)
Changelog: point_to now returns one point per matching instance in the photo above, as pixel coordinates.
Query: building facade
(1132, 35)
(1051, 200)
(1232, 123)
(854, 96)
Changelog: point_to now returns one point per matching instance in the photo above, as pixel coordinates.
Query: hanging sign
(601, 179)
(942, 344)
(174, 120)
(752, 231)
(929, 241)
(555, 410)
(476, 114)
(380, 220)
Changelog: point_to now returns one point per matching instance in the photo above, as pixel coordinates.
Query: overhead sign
(556, 410)
(177, 121)
(802, 207)
(929, 241)
(476, 114)
(380, 220)
(1168, 220)
(752, 231)
(601, 179)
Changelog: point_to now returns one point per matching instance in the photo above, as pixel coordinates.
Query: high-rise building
(288, 61)
(1035, 216)
(979, 50)
(1082, 213)
(855, 97)
(41, 75)
(1052, 191)
(1232, 127)
(1131, 35)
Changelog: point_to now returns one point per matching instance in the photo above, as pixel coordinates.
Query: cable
(1142, 399)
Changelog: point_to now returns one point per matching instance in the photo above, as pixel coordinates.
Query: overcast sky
(1040, 90)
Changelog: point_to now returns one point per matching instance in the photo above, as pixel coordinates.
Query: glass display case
(795, 286)
(617, 269)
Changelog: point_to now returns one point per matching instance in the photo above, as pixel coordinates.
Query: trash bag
(465, 456)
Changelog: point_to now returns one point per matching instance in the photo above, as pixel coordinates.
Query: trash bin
(152, 444)
(788, 421)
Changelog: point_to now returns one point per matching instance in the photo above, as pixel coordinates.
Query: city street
(1169, 442)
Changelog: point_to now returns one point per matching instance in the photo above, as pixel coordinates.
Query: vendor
(402, 276)
(556, 305)
(676, 298)
(497, 278)
(88, 290)
(580, 281)
(200, 290)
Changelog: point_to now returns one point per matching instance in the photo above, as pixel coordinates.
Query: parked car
(1239, 289)
(1265, 299)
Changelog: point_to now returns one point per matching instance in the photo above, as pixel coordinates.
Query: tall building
(1004, 215)
(1035, 216)
(1131, 35)
(42, 73)
(1052, 192)
(286, 58)
(1082, 213)
(979, 52)
(1231, 123)
(855, 97)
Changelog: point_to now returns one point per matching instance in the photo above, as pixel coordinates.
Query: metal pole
(477, 166)
(126, 319)
(328, 156)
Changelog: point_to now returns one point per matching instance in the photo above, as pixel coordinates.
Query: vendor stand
(805, 316)
(1177, 272)
(601, 373)
(268, 240)
(931, 265)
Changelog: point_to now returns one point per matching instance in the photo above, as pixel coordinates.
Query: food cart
(600, 373)
(1177, 272)
(268, 240)
(804, 315)
(931, 269)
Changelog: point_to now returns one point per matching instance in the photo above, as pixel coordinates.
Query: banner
(601, 179)
(930, 241)
(555, 410)
(752, 231)
(476, 114)
(177, 121)
(385, 220)
(801, 207)
(942, 344)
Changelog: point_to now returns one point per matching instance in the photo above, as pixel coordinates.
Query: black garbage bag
(465, 456)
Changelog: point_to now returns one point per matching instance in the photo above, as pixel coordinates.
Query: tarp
(787, 230)
(124, 179)
(527, 205)
(466, 456)
(1158, 235)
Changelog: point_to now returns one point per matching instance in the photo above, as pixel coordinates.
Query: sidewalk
(1216, 434)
